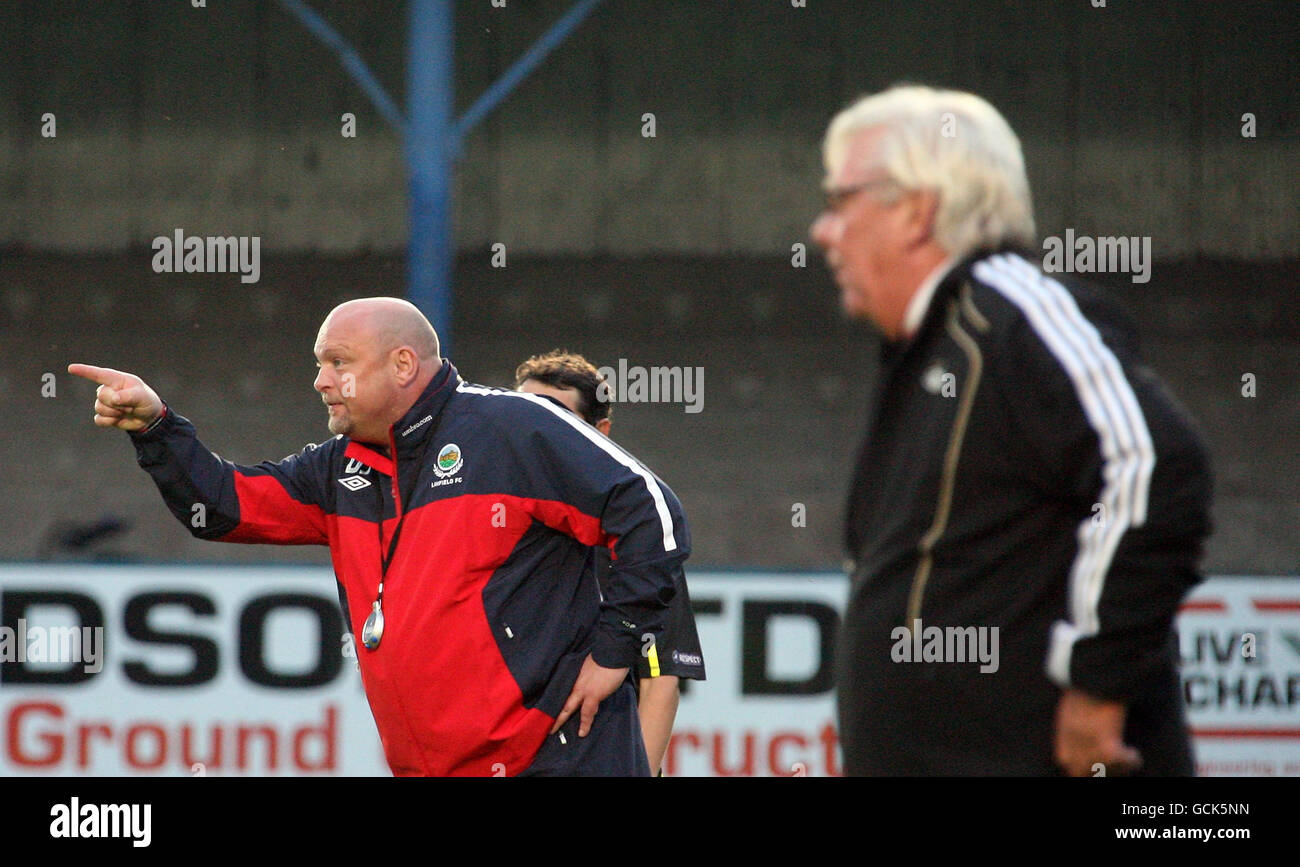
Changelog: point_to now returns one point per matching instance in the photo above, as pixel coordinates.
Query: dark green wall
(226, 119)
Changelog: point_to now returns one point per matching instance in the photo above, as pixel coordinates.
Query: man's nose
(820, 230)
(322, 380)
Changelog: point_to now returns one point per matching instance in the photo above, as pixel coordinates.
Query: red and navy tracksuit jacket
(489, 607)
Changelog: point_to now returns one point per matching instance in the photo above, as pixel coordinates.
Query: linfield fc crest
(449, 461)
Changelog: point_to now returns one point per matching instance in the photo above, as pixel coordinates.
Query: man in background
(576, 383)
(1029, 503)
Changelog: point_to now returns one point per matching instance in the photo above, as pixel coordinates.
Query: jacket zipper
(956, 438)
(397, 485)
(386, 561)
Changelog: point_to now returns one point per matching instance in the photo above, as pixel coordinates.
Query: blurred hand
(595, 683)
(1090, 731)
(122, 400)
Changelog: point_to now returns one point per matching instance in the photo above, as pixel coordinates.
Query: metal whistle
(374, 628)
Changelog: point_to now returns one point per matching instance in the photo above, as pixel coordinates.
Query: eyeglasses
(837, 196)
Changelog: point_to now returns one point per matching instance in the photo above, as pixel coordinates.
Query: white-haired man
(1029, 504)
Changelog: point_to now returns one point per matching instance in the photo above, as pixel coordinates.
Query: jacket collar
(923, 297)
(410, 432)
(934, 312)
(894, 351)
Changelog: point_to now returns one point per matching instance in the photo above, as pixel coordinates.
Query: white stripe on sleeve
(1112, 410)
(604, 443)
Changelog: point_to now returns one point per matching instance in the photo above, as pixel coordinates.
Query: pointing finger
(102, 375)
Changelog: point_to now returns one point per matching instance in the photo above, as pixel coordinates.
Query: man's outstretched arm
(123, 400)
(279, 503)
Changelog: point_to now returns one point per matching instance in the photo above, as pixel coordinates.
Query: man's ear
(921, 209)
(603, 425)
(405, 364)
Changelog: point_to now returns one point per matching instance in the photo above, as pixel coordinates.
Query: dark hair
(562, 369)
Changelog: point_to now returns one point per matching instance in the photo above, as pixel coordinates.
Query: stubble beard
(340, 425)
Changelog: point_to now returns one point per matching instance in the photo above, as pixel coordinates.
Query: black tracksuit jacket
(1022, 470)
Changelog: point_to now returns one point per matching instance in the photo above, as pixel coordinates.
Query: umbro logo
(353, 481)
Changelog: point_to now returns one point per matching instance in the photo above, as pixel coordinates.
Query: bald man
(458, 518)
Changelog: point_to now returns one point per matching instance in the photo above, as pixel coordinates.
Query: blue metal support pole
(351, 61)
(430, 80)
(509, 80)
(431, 138)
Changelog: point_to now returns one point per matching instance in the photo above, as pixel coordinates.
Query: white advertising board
(205, 670)
(238, 670)
(1240, 644)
